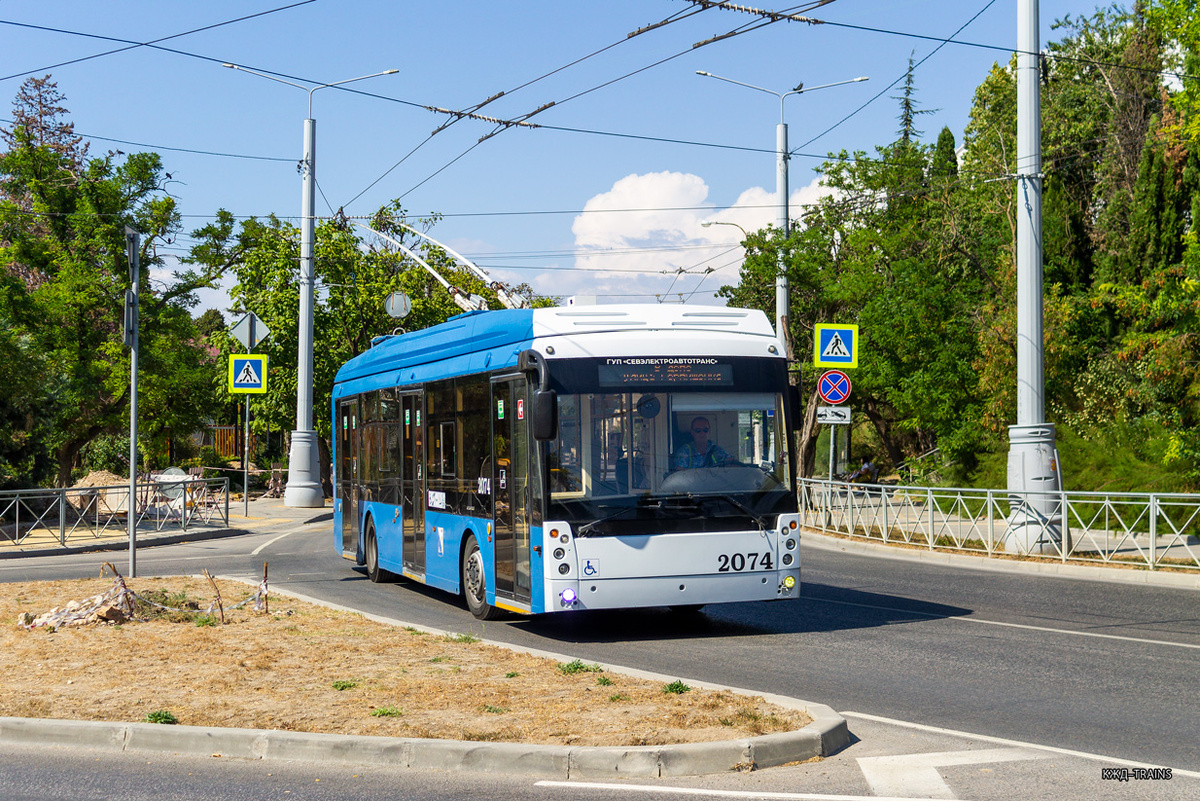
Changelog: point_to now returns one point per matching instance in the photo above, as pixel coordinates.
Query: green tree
(62, 251)
(355, 272)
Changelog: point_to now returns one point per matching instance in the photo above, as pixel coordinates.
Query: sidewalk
(899, 551)
(264, 516)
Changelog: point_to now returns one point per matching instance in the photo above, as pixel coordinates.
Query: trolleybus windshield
(688, 460)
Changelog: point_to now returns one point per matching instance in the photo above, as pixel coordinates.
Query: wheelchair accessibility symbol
(590, 568)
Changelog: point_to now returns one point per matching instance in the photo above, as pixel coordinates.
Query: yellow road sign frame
(849, 338)
(237, 363)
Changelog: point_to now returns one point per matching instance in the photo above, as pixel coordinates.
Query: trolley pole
(132, 246)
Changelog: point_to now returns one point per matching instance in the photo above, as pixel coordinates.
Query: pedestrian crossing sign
(835, 345)
(247, 374)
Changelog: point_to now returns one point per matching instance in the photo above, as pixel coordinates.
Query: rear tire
(474, 582)
(374, 572)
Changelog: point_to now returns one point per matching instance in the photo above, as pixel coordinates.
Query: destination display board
(664, 370)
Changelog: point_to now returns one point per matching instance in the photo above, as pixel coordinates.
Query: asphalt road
(1100, 668)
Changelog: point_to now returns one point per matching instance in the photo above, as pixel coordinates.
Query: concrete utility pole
(304, 470)
(304, 467)
(1032, 457)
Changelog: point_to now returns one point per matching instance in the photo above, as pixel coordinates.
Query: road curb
(826, 734)
(1118, 575)
(195, 535)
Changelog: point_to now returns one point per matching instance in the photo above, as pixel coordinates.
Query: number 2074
(738, 562)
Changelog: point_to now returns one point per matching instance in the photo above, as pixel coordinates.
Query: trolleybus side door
(512, 491)
(348, 473)
(412, 479)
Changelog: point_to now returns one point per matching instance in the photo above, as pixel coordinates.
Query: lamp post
(304, 470)
(781, 187)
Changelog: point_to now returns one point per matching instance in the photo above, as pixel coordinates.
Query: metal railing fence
(1152, 531)
(161, 503)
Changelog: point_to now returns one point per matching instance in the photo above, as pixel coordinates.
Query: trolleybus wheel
(374, 572)
(474, 582)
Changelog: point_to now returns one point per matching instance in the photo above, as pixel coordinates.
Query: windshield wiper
(659, 504)
(731, 500)
(584, 529)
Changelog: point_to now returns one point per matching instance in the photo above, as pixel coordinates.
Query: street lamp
(723, 222)
(781, 186)
(304, 470)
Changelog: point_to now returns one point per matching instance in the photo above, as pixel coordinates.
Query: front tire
(371, 544)
(474, 581)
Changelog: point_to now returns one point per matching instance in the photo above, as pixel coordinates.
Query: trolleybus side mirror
(794, 406)
(545, 414)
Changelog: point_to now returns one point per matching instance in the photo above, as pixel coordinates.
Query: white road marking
(982, 622)
(259, 549)
(984, 738)
(643, 788)
(917, 776)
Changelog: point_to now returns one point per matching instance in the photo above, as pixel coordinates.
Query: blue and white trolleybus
(582, 457)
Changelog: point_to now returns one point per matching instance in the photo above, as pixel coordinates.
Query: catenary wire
(673, 18)
(152, 42)
(736, 31)
(890, 86)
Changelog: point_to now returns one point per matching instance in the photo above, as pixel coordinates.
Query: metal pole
(1030, 379)
(246, 462)
(132, 246)
(832, 442)
(781, 186)
(304, 485)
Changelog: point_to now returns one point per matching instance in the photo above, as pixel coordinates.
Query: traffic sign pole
(245, 379)
(246, 462)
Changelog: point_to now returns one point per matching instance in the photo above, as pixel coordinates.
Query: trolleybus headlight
(567, 597)
(790, 544)
(564, 568)
(564, 539)
(559, 553)
(789, 582)
(787, 560)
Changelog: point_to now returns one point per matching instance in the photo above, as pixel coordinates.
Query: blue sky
(570, 211)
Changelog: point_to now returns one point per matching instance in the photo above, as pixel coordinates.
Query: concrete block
(611, 763)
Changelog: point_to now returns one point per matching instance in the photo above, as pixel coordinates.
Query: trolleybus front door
(412, 480)
(348, 473)
(511, 487)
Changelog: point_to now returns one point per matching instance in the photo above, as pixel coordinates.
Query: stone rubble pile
(102, 608)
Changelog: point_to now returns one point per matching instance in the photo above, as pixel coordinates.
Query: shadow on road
(820, 608)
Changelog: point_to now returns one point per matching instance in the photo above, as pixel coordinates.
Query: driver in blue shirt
(701, 451)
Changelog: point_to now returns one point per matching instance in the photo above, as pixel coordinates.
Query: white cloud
(644, 239)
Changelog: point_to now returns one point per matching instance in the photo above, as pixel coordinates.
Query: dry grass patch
(303, 667)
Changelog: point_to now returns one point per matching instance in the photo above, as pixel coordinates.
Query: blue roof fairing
(463, 344)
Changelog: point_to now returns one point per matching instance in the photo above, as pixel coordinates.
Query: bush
(1123, 457)
(108, 452)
